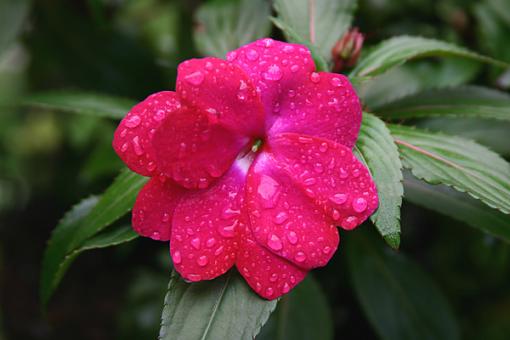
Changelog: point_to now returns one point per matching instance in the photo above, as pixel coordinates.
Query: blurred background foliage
(131, 48)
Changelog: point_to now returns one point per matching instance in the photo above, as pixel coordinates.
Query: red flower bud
(347, 50)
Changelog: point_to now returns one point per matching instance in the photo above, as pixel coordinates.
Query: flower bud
(347, 50)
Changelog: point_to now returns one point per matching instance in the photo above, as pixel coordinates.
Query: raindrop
(285, 288)
(228, 231)
(292, 237)
(274, 242)
(309, 181)
(323, 147)
(273, 277)
(318, 167)
(294, 68)
(159, 115)
(359, 204)
(194, 277)
(338, 198)
(269, 191)
(231, 56)
(133, 121)
(300, 256)
(336, 82)
(166, 217)
(315, 77)
(202, 261)
(252, 55)
(177, 257)
(273, 73)
(349, 223)
(136, 146)
(124, 147)
(326, 250)
(343, 173)
(269, 291)
(210, 242)
(219, 250)
(281, 217)
(196, 243)
(195, 78)
(156, 236)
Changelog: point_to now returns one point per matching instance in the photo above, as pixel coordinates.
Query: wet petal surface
(133, 138)
(154, 208)
(205, 236)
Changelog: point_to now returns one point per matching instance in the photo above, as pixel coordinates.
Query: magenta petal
(224, 92)
(154, 208)
(193, 151)
(330, 175)
(325, 105)
(205, 234)
(296, 98)
(284, 219)
(133, 138)
(267, 274)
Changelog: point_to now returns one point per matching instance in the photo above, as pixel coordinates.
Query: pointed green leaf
(400, 300)
(458, 205)
(224, 308)
(75, 231)
(226, 26)
(374, 141)
(315, 22)
(456, 162)
(302, 314)
(398, 50)
(99, 105)
(466, 101)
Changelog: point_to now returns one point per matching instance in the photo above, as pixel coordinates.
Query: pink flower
(251, 165)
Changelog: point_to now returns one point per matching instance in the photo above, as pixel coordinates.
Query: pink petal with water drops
(205, 234)
(324, 105)
(331, 176)
(295, 97)
(284, 219)
(267, 274)
(154, 208)
(274, 67)
(224, 91)
(133, 138)
(193, 151)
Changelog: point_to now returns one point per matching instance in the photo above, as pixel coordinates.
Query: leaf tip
(393, 240)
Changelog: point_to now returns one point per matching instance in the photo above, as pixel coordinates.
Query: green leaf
(400, 300)
(315, 22)
(224, 27)
(85, 220)
(302, 314)
(12, 17)
(92, 104)
(456, 162)
(460, 206)
(465, 101)
(374, 141)
(224, 308)
(396, 51)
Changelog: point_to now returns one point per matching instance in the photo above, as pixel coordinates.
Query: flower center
(257, 145)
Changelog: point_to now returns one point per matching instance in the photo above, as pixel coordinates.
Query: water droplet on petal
(292, 237)
(281, 217)
(156, 236)
(269, 191)
(326, 250)
(318, 167)
(336, 214)
(359, 204)
(202, 261)
(252, 55)
(336, 82)
(273, 277)
(269, 291)
(300, 256)
(166, 217)
(343, 173)
(274, 242)
(195, 78)
(194, 277)
(310, 181)
(159, 115)
(258, 287)
(210, 242)
(196, 243)
(124, 147)
(288, 49)
(231, 56)
(285, 288)
(315, 77)
(228, 231)
(349, 223)
(273, 73)
(177, 257)
(294, 68)
(338, 198)
(136, 146)
(323, 147)
(133, 121)
(151, 166)
(219, 250)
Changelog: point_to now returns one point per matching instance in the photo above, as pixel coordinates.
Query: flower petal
(330, 175)
(205, 235)
(154, 208)
(224, 91)
(267, 274)
(193, 151)
(295, 97)
(133, 138)
(284, 219)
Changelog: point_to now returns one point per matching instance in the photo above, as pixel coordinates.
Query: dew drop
(210, 242)
(359, 204)
(273, 277)
(219, 250)
(159, 115)
(318, 167)
(269, 291)
(281, 217)
(294, 68)
(336, 82)
(202, 261)
(258, 287)
(336, 214)
(252, 55)
(349, 223)
(194, 277)
(228, 231)
(151, 166)
(292, 237)
(269, 191)
(231, 56)
(300, 257)
(195, 78)
(133, 121)
(273, 73)
(323, 147)
(166, 217)
(156, 236)
(343, 173)
(285, 288)
(124, 147)
(136, 146)
(274, 242)
(209, 66)
(338, 198)
(177, 257)
(315, 77)
(196, 243)
(310, 181)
